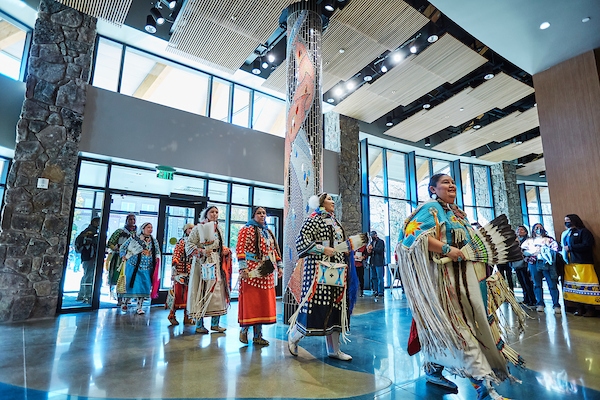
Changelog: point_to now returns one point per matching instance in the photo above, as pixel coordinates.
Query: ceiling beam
(10, 34)
(152, 81)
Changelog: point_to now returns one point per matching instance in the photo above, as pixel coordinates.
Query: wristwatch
(446, 249)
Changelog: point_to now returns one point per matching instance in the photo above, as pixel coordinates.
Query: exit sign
(163, 172)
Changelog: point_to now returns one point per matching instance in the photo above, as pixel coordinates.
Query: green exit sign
(163, 172)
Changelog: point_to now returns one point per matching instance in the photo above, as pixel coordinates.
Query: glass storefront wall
(125, 189)
(535, 204)
(13, 45)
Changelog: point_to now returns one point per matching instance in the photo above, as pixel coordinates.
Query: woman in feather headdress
(324, 310)
(260, 263)
(210, 273)
(450, 315)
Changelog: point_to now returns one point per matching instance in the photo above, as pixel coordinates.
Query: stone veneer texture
(349, 175)
(506, 193)
(35, 230)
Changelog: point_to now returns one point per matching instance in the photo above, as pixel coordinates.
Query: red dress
(181, 267)
(257, 294)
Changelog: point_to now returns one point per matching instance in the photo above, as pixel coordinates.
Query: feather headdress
(494, 243)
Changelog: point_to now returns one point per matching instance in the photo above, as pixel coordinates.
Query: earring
(434, 196)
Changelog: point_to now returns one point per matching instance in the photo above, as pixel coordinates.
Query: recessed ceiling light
(461, 109)
(265, 65)
(586, 19)
(545, 25)
(172, 4)
(368, 78)
(384, 69)
(477, 126)
(397, 57)
(487, 77)
(432, 38)
(338, 91)
(350, 85)
(413, 49)
(271, 58)
(518, 142)
(426, 106)
(329, 7)
(342, 51)
(330, 100)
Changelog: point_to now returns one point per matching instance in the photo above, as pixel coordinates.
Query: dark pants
(85, 287)
(527, 285)
(360, 271)
(506, 271)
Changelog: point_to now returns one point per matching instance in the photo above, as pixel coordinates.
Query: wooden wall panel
(568, 97)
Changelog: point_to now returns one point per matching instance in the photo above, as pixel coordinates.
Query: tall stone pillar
(34, 223)
(506, 193)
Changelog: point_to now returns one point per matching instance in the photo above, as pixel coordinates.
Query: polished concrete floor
(107, 354)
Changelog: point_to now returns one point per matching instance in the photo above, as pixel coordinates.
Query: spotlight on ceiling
(367, 78)
(157, 15)
(519, 142)
(586, 19)
(172, 4)
(413, 49)
(271, 58)
(384, 68)
(338, 91)
(473, 153)
(397, 57)
(150, 24)
(265, 65)
(342, 51)
(426, 106)
(427, 142)
(330, 100)
(389, 121)
(476, 126)
(350, 85)
(256, 67)
(545, 25)
(433, 38)
(543, 174)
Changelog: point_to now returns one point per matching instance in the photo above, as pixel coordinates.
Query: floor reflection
(108, 354)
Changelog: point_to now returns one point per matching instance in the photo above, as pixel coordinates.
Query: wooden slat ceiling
(533, 167)
(364, 101)
(498, 131)
(224, 32)
(498, 92)
(447, 60)
(364, 29)
(113, 11)
(513, 151)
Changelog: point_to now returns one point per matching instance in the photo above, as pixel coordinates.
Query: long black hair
(534, 235)
(433, 181)
(576, 222)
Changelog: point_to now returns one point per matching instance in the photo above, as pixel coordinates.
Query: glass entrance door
(175, 219)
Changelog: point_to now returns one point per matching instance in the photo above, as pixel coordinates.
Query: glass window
(399, 211)
(441, 167)
(532, 202)
(470, 211)
(268, 114)
(376, 182)
(240, 194)
(188, 185)
(107, 64)
(268, 198)
(219, 105)
(138, 180)
(484, 215)
(241, 106)
(533, 219)
(548, 223)
(422, 173)
(396, 170)
(545, 200)
(12, 45)
(465, 172)
(482, 186)
(217, 191)
(159, 81)
(92, 174)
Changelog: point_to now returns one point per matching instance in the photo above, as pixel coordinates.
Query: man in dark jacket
(87, 245)
(376, 249)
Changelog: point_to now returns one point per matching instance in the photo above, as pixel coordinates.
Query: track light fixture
(328, 5)
(384, 68)
(413, 49)
(489, 73)
(427, 142)
(157, 15)
(473, 153)
(543, 174)
(256, 67)
(172, 4)
(271, 58)
(150, 24)
(389, 121)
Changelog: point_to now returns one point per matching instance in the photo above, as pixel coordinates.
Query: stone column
(34, 225)
(349, 175)
(506, 192)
